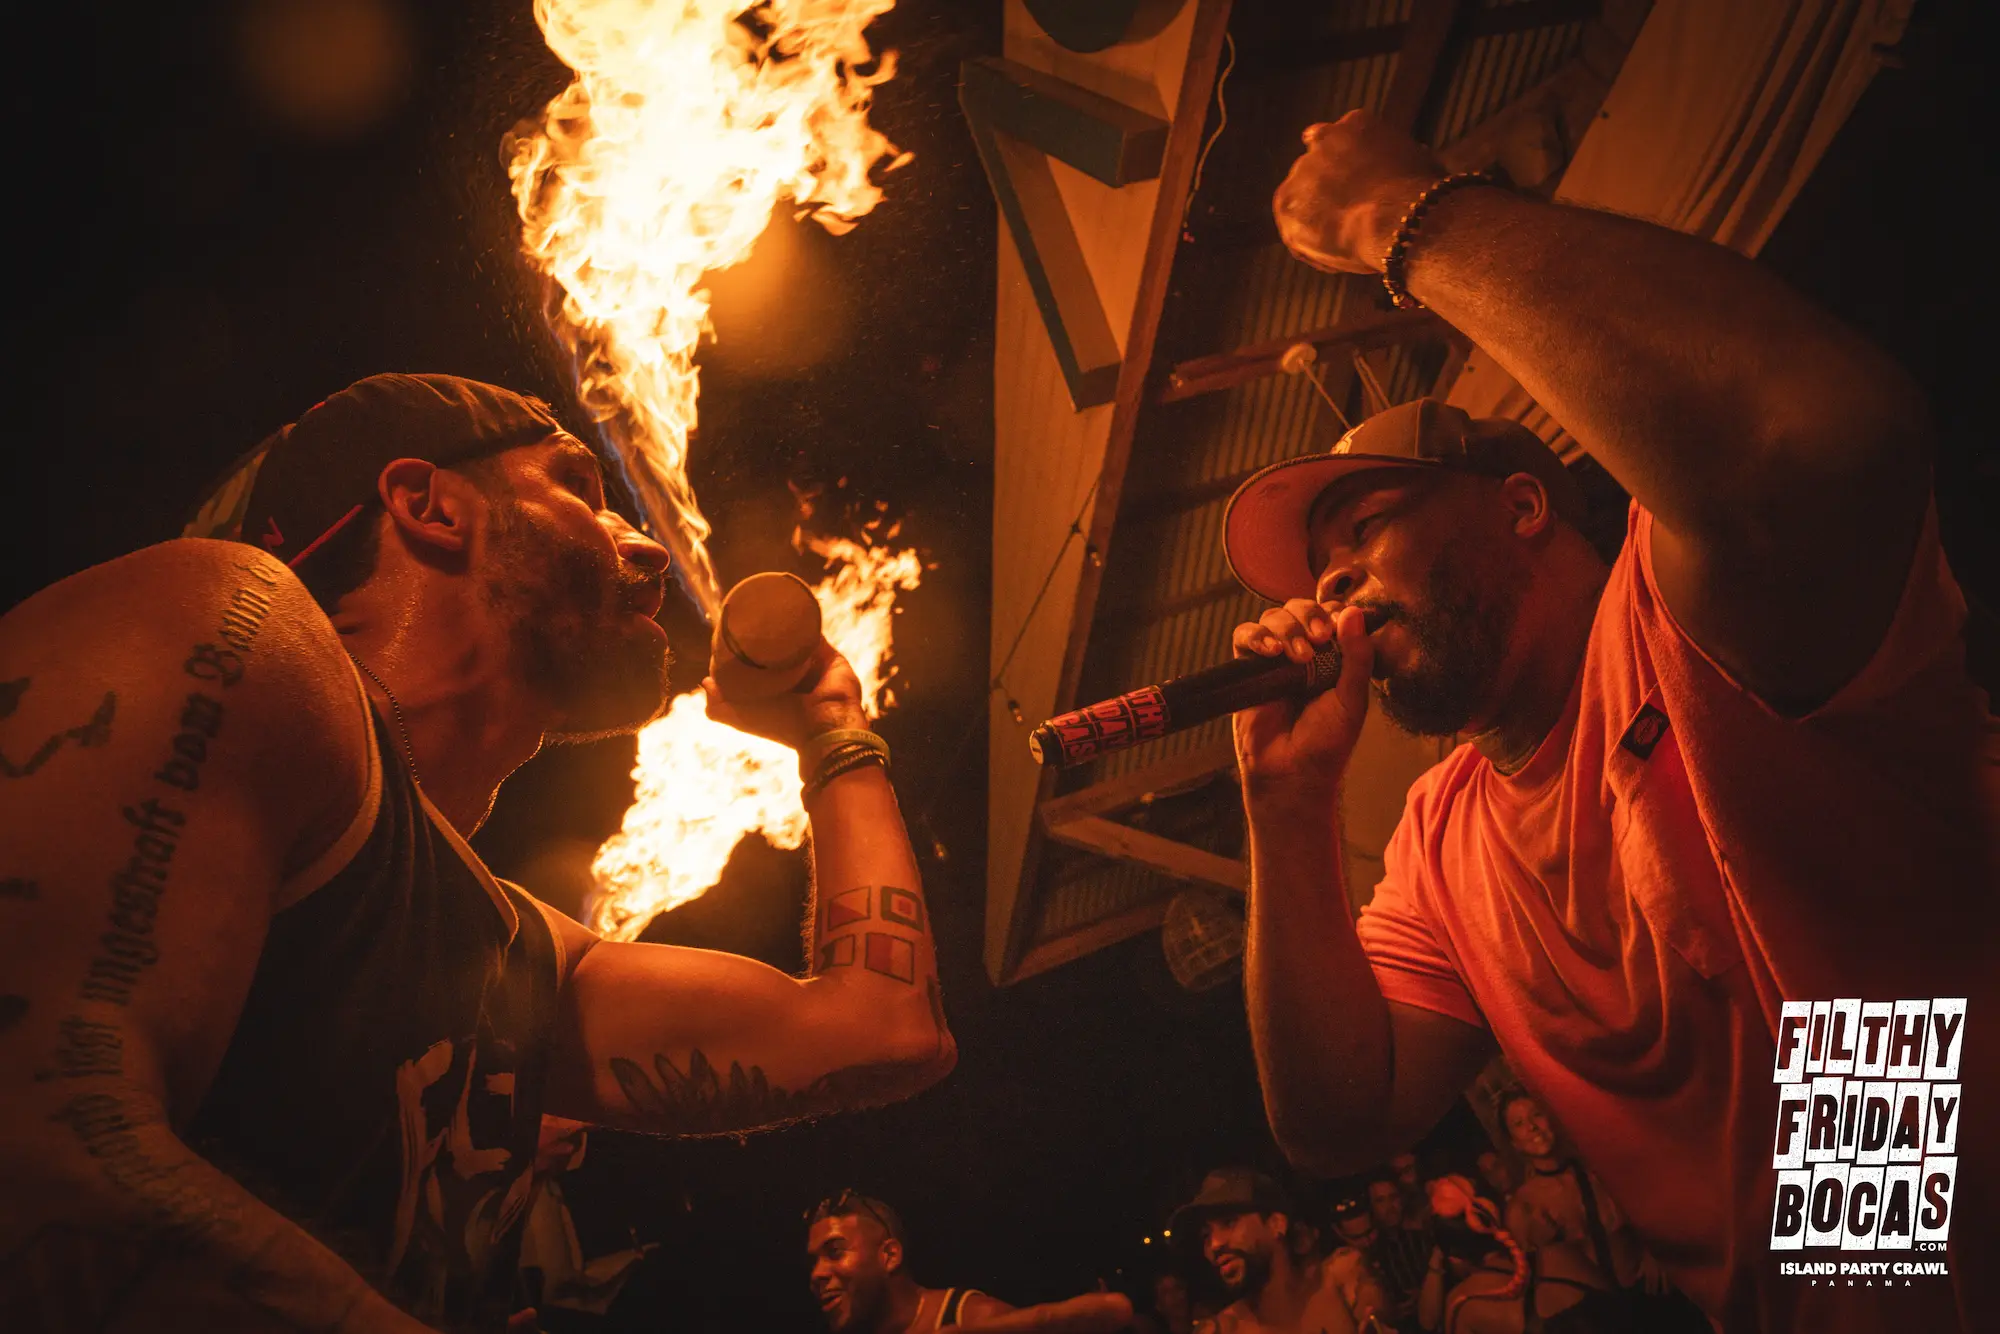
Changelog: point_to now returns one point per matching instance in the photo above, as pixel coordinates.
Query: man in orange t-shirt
(1743, 765)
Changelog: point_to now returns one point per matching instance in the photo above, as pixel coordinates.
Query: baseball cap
(310, 479)
(1264, 528)
(1232, 1190)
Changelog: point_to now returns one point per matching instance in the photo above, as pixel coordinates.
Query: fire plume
(703, 786)
(688, 122)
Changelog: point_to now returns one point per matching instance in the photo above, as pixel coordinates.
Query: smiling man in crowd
(1745, 763)
(1244, 1221)
(861, 1278)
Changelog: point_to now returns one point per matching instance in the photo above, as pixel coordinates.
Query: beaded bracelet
(815, 751)
(838, 763)
(1395, 259)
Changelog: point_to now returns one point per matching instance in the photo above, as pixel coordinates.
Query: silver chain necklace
(396, 708)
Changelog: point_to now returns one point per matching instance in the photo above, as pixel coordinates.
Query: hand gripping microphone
(1151, 712)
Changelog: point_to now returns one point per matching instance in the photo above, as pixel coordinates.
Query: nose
(637, 548)
(1337, 583)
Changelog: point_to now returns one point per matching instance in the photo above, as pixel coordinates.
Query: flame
(687, 123)
(702, 785)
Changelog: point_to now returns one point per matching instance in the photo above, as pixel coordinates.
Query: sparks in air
(687, 123)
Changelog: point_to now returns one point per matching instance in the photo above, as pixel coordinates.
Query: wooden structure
(1142, 318)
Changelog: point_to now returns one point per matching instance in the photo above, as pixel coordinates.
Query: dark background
(215, 240)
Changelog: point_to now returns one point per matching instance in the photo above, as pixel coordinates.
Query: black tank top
(384, 1084)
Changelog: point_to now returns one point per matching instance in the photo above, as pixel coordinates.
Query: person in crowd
(1472, 1286)
(1409, 1180)
(264, 978)
(1480, 1280)
(1349, 1267)
(1561, 1200)
(1692, 784)
(1244, 1220)
(1173, 1305)
(862, 1281)
(1401, 1248)
(1354, 1221)
(1496, 1175)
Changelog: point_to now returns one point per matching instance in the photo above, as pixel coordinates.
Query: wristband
(815, 751)
(840, 762)
(1395, 259)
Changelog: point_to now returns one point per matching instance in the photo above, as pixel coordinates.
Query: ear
(1280, 1225)
(1527, 501)
(428, 504)
(892, 1254)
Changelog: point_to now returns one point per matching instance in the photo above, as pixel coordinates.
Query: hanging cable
(1371, 387)
(1298, 360)
(1221, 121)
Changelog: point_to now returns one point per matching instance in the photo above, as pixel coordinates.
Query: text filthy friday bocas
(1867, 1137)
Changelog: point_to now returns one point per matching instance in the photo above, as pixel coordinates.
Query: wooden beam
(1032, 206)
(1190, 115)
(1366, 331)
(1102, 138)
(1152, 613)
(1432, 32)
(1179, 499)
(1094, 833)
(1163, 779)
(1073, 945)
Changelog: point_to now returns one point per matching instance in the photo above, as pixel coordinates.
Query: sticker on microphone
(1140, 715)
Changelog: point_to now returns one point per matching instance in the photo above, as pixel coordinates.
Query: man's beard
(570, 615)
(1256, 1273)
(867, 1302)
(1460, 632)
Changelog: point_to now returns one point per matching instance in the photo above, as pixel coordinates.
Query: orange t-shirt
(1627, 913)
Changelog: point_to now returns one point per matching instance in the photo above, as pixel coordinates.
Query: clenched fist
(827, 698)
(1342, 201)
(1300, 747)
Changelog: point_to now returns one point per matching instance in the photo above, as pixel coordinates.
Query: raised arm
(1091, 1313)
(689, 1042)
(1784, 458)
(1348, 1078)
(180, 731)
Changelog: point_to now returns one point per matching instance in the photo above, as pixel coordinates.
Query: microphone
(1151, 712)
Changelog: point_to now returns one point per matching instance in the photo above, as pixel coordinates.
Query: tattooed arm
(1092, 1313)
(207, 745)
(685, 1041)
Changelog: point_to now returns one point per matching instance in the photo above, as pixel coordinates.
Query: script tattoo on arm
(69, 1276)
(166, 1227)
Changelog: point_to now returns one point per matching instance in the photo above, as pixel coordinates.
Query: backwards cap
(310, 479)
